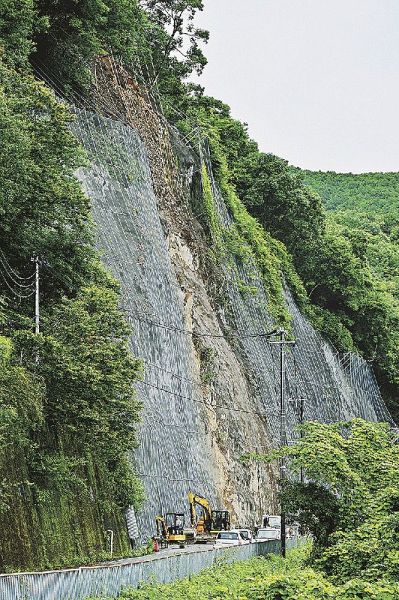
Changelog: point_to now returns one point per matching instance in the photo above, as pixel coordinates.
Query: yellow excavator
(171, 530)
(209, 522)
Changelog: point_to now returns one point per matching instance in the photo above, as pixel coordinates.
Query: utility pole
(301, 419)
(300, 410)
(35, 259)
(282, 342)
(299, 407)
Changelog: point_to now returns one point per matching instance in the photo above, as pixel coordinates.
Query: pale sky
(316, 80)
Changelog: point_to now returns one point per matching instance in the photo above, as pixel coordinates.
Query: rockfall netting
(174, 456)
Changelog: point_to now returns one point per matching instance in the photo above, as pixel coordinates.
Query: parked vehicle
(267, 533)
(246, 534)
(230, 538)
(171, 530)
(274, 521)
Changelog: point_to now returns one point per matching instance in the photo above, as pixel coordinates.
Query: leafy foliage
(176, 47)
(364, 210)
(157, 37)
(366, 193)
(246, 239)
(77, 32)
(367, 209)
(43, 210)
(67, 401)
(18, 20)
(270, 578)
(351, 502)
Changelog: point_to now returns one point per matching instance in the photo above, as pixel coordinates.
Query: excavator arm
(194, 501)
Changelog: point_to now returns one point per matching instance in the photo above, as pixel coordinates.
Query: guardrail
(110, 579)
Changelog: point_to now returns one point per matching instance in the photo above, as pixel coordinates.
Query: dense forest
(366, 208)
(67, 394)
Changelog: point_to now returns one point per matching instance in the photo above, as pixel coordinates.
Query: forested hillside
(371, 193)
(351, 299)
(365, 210)
(67, 394)
(67, 398)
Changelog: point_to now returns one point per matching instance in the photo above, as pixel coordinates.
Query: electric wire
(16, 293)
(12, 270)
(23, 286)
(235, 333)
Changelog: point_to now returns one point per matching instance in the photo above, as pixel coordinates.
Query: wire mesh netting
(331, 387)
(174, 455)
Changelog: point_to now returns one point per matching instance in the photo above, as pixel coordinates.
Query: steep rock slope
(210, 391)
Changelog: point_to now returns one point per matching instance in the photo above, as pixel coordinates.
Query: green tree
(18, 20)
(177, 42)
(89, 374)
(284, 206)
(78, 32)
(43, 210)
(353, 470)
(67, 402)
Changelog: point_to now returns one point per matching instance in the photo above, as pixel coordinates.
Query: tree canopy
(67, 400)
(350, 499)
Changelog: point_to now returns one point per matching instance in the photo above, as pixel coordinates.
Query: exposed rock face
(210, 392)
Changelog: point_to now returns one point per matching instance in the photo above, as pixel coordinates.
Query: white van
(230, 538)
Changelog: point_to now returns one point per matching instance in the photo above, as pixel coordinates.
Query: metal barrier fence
(109, 580)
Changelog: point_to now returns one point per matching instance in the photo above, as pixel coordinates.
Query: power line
(17, 293)
(236, 333)
(23, 287)
(11, 270)
(208, 405)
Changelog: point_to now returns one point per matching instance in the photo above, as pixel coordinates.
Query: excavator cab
(220, 521)
(175, 523)
(170, 529)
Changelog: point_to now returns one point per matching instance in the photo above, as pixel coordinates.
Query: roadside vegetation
(349, 504)
(270, 578)
(67, 398)
(67, 402)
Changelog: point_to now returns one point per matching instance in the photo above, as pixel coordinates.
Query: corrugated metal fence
(110, 579)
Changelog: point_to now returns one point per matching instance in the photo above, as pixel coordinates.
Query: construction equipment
(171, 530)
(209, 522)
